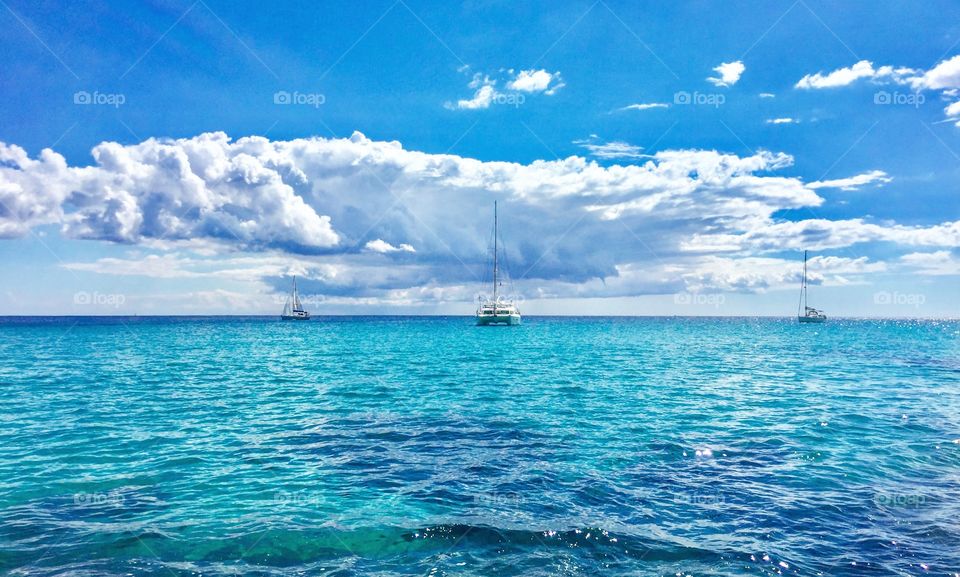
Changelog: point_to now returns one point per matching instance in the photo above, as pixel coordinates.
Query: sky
(648, 158)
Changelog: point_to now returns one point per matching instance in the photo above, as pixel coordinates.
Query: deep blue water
(428, 446)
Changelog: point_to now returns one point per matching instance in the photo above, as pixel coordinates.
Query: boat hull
(304, 317)
(811, 319)
(489, 320)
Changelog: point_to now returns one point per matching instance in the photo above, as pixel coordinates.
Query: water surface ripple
(427, 446)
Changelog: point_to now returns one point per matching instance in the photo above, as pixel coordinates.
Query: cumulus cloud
(536, 81)
(31, 191)
(328, 209)
(199, 188)
(953, 112)
(728, 73)
(839, 77)
(481, 99)
(944, 76)
(853, 182)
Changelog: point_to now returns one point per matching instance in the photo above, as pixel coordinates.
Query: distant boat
(293, 308)
(807, 314)
(498, 311)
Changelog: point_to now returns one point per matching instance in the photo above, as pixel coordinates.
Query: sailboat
(293, 308)
(498, 311)
(807, 314)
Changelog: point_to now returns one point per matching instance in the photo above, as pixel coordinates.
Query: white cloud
(939, 263)
(383, 247)
(945, 75)
(247, 268)
(729, 73)
(481, 99)
(613, 149)
(250, 209)
(782, 121)
(953, 112)
(759, 274)
(821, 234)
(646, 106)
(516, 86)
(535, 81)
(839, 77)
(196, 188)
(853, 182)
(767, 95)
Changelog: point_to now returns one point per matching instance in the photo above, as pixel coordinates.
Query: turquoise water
(428, 446)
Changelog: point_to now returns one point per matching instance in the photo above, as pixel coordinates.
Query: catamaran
(293, 309)
(807, 314)
(498, 311)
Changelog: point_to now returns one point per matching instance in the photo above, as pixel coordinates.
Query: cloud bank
(363, 219)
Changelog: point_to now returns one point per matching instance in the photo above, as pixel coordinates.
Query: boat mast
(296, 297)
(495, 233)
(803, 286)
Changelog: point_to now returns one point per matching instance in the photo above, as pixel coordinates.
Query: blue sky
(650, 158)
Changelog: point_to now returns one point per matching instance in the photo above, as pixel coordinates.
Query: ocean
(429, 446)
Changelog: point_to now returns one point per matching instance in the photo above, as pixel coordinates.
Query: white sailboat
(498, 311)
(807, 314)
(293, 309)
